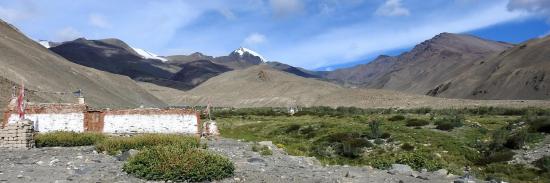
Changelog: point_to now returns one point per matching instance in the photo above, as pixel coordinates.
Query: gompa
(78, 117)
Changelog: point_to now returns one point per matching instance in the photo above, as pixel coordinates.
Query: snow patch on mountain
(148, 55)
(241, 51)
(45, 43)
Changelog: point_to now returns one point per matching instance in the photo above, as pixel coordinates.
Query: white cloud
(254, 39)
(67, 34)
(541, 7)
(99, 21)
(227, 13)
(283, 8)
(392, 8)
(12, 15)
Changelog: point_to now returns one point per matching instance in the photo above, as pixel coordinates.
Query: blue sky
(308, 33)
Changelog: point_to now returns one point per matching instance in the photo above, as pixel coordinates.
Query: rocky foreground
(84, 164)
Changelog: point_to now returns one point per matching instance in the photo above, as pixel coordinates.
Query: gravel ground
(280, 167)
(83, 164)
(61, 164)
(530, 155)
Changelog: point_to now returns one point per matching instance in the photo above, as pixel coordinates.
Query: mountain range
(48, 77)
(448, 65)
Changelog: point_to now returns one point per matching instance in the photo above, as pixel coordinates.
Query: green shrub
(407, 147)
(344, 144)
(397, 118)
(385, 135)
(67, 139)
(379, 141)
(543, 163)
(115, 144)
(265, 151)
(375, 130)
(541, 124)
(450, 122)
(416, 122)
(511, 173)
(174, 163)
(418, 160)
(495, 157)
(518, 140)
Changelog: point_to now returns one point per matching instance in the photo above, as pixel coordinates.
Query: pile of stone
(17, 135)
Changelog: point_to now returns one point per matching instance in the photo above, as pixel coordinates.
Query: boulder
(401, 169)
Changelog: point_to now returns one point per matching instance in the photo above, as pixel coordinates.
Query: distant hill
(51, 78)
(263, 86)
(424, 67)
(522, 72)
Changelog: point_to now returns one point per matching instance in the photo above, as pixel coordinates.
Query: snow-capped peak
(148, 55)
(241, 51)
(45, 43)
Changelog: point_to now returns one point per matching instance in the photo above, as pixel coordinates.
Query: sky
(314, 34)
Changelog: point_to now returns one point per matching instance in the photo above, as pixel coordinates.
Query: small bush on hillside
(407, 147)
(416, 122)
(397, 118)
(541, 124)
(385, 135)
(116, 144)
(495, 157)
(418, 160)
(450, 122)
(67, 139)
(375, 130)
(378, 141)
(345, 144)
(174, 163)
(265, 151)
(518, 140)
(543, 163)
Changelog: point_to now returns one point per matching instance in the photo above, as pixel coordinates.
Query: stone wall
(17, 135)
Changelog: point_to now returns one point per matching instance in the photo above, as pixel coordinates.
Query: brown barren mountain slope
(522, 72)
(23, 60)
(263, 86)
(424, 67)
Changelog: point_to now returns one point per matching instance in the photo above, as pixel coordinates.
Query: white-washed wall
(53, 122)
(150, 123)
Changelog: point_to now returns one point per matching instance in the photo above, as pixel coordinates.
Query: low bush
(378, 141)
(67, 139)
(375, 131)
(541, 124)
(343, 144)
(416, 160)
(265, 151)
(450, 122)
(543, 163)
(262, 149)
(385, 135)
(407, 147)
(518, 140)
(174, 163)
(416, 122)
(495, 157)
(396, 118)
(116, 144)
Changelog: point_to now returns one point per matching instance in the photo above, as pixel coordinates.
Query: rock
(40, 163)
(127, 154)
(52, 162)
(400, 169)
(256, 160)
(423, 170)
(237, 179)
(19, 176)
(441, 172)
